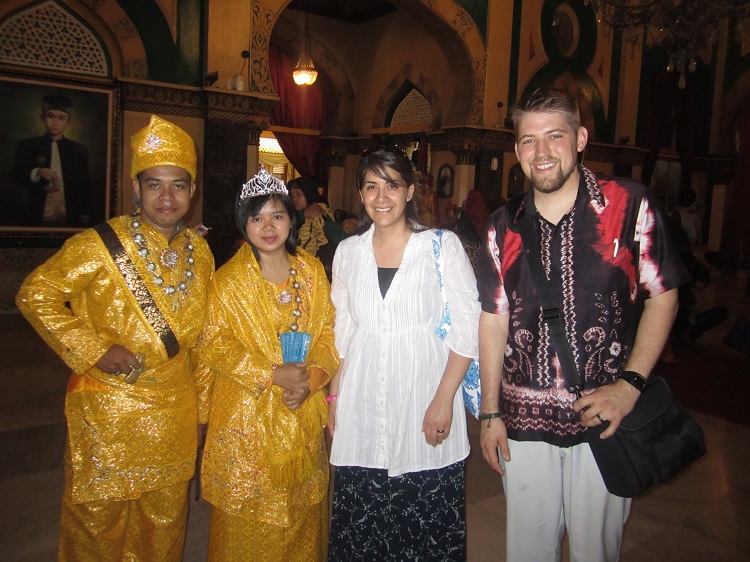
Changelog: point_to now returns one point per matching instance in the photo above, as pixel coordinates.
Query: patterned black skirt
(415, 516)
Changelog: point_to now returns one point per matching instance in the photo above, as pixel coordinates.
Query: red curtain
(300, 107)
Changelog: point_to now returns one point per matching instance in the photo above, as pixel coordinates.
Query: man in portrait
(51, 178)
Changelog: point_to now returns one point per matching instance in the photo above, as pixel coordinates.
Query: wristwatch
(636, 379)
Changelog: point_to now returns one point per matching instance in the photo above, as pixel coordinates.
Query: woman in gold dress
(265, 468)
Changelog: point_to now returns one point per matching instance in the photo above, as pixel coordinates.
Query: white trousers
(550, 489)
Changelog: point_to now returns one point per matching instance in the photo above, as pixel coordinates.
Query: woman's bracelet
(331, 398)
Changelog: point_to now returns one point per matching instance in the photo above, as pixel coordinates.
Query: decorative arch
(102, 24)
(262, 21)
(118, 28)
(412, 109)
(338, 93)
(458, 36)
(450, 24)
(404, 81)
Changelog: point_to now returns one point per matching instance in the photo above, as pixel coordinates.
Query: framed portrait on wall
(445, 181)
(58, 155)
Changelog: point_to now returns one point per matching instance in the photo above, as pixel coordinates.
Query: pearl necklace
(168, 259)
(285, 297)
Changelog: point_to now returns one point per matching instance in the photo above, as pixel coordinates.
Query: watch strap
(635, 379)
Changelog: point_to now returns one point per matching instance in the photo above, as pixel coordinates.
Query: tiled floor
(703, 515)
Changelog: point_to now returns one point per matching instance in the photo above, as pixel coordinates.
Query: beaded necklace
(168, 259)
(286, 296)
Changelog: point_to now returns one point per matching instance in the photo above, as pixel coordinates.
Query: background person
(614, 276)
(318, 233)
(346, 220)
(476, 208)
(125, 297)
(397, 420)
(463, 227)
(51, 172)
(265, 466)
(685, 229)
(685, 226)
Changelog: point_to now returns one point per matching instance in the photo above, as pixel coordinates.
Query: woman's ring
(441, 431)
(600, 418)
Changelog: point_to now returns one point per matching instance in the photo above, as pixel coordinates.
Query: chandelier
(681, 27)
(305, 74)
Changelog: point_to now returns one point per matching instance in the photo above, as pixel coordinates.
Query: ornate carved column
(465, 143)
(334, 154)
(490, 165)
(233, 121)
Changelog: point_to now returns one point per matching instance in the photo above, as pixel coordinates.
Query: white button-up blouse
(393, 359)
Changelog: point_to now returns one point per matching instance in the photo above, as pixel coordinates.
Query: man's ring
(441, 431)
(600, 418)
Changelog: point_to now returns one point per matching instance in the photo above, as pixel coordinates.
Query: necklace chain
(287, 296)
(168, 258)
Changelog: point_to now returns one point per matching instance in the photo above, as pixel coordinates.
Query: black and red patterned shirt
(604, 258)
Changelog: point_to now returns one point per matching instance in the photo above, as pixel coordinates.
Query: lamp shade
(305, 74)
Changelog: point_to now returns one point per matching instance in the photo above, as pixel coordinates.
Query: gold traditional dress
(265, 467)
(125, 441)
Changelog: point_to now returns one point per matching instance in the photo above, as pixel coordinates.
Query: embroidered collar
(588, 188)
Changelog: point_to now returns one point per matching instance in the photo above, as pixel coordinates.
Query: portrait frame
(445, 181)
(94, 129)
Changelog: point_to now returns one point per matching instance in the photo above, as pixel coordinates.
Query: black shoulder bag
(653, 443)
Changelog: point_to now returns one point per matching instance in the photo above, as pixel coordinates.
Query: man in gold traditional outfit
(137, 288)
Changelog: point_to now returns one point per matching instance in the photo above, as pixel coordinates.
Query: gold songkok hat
(162, 143)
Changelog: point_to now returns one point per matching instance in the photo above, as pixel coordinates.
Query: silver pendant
(169, 258)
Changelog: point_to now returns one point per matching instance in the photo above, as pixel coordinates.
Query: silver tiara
(262, 183)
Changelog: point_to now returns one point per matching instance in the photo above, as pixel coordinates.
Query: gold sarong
(262, 461)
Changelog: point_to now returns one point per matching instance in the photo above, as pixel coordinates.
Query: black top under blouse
(385, 278)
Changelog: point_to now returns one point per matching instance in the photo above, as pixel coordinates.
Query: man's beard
(551, 184)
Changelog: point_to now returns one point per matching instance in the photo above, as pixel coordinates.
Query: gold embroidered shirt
(123, 439)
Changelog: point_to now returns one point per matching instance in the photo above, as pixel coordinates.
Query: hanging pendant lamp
(305, 74)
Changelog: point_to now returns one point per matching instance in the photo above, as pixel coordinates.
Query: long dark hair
(377, 161)
(250, 207)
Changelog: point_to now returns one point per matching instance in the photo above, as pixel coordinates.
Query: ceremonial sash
(137, 286)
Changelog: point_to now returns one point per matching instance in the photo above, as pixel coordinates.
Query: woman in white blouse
(397, 420)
